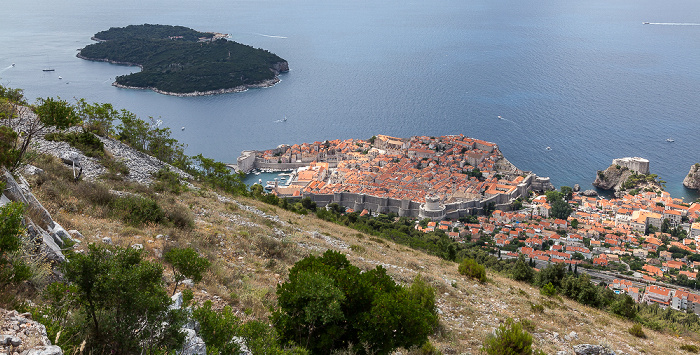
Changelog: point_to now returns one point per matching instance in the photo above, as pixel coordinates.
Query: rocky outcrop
(589, 349)
(622, 177)
(692, 180)
(19, 334)
(612, 178)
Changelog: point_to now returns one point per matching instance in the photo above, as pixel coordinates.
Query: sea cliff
(692, 180)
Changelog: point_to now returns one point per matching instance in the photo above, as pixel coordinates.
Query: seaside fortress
(386, 175)
(636, 164)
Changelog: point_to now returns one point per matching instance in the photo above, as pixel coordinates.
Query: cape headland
(180, 61)
(630, 173)
(425, 177)
(692, 180)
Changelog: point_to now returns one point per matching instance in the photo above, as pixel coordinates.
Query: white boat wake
(269, 36)
(672, 23)
(3, 69)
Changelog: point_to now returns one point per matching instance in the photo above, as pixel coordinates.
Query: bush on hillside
(690, 348)
(186, 263)
(136, 210)
(329, 304)
(522, 271)
(548, 290)
(509, 339)
(469, 267)
(13, 269)
(625, 307)
(637, 331)
(116, 301)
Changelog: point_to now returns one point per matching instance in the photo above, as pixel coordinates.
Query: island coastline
(187, 88)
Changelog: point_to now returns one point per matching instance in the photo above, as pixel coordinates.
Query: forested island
(177, 60)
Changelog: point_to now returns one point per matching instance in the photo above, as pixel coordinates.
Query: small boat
(13, 64)
(669, 140)
(548, 148)
(500, 118)
(47, 69)
(260, 181)
(645, 23)
(60, 77)
(183, 128)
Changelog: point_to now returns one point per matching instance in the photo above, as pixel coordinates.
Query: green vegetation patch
(181, 60)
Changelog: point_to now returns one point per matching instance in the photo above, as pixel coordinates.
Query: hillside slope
(252, 246)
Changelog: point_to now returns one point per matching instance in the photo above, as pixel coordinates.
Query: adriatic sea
(586, 78)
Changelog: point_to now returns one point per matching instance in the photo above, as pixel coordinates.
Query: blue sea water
(585, 78)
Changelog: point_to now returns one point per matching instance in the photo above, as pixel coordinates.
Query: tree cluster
(329, 304)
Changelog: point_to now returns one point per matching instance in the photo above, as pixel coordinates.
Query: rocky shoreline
(241, 88)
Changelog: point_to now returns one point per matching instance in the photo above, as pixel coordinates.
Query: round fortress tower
(432, 208)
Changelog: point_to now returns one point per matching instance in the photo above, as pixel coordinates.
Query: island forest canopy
(180, 60)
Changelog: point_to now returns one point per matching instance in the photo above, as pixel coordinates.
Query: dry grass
(252, 253)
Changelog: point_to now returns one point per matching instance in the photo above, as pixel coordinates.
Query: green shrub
(637, 331)
(548, 290)
(509, 338)
(180, 216)
(138, 210)
(119, 303)
(357, 248)
(522, 271)
(186, 263)
(86, 142)
(13, 269)
(470, 268)
(690, 348)
(167, 180)
(537, 308)
(217, 329)
(329, 303)
(625, 307)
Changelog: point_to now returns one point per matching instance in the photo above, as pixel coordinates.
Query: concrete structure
(636, 164)
(659, 295)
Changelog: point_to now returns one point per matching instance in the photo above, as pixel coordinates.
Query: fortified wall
(433, 208)
(636, 164)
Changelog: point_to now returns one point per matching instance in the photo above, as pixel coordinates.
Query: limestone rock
(194, 345)
(590, 193)
(177, 301)
(32, 170)
(70, 158)
(577, 188)
(620, 171)
(243, 347)
(76, 234)
(24, 335)
(9, 340)
(692, 180)
(107, 240)
(590, 349)
(45, 350)
(612, 177)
